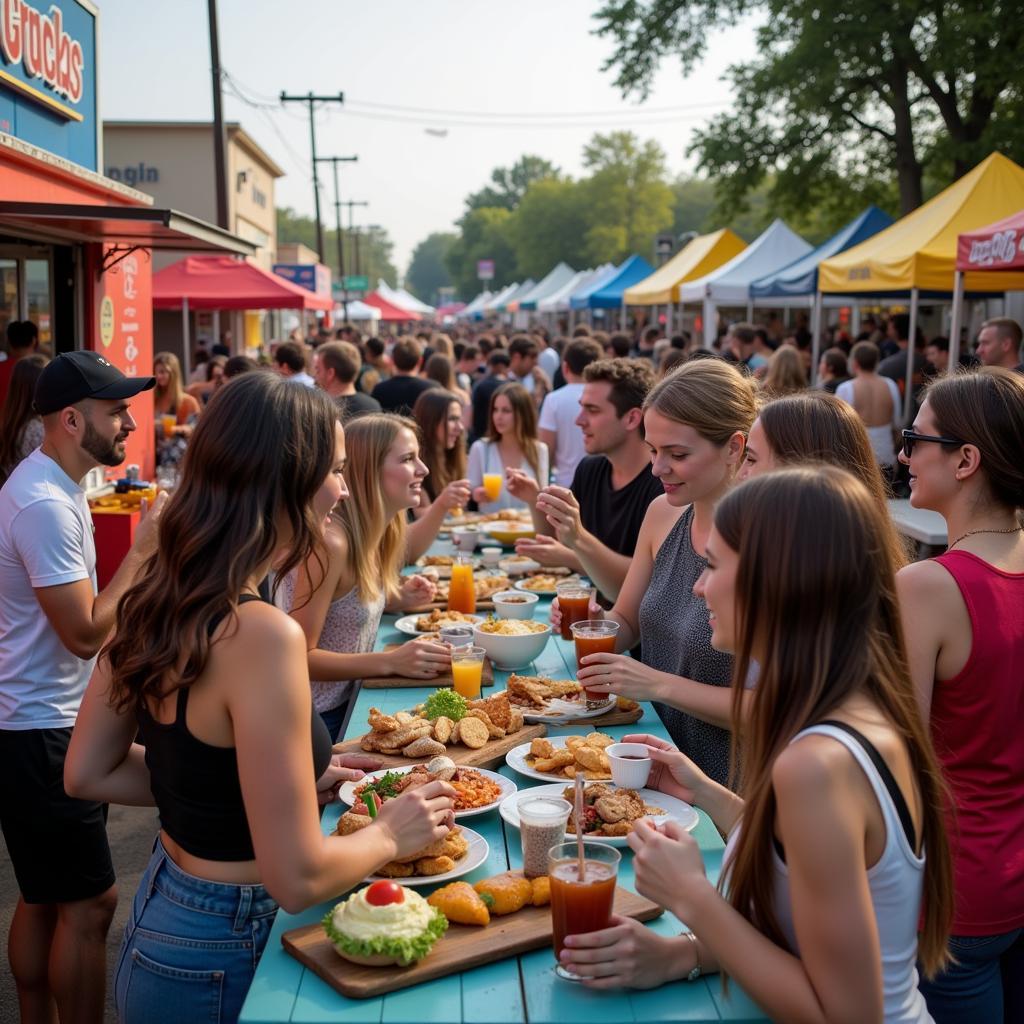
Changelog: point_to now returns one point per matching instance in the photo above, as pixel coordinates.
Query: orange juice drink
(461, 590)
(492, 485)
(467, 671)
(168, 423)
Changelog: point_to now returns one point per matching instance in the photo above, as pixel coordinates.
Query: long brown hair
(376, 544)
(826, 618)
(786, 372)
(17, 409)
(985, 408)
(175, 389)
(439, 368)
(815, 426)
(445, 464)
(525, 429)
(260, 453)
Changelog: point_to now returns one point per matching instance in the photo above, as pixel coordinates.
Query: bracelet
(696, 971)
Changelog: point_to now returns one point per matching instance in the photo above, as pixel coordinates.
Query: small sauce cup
(631, 764)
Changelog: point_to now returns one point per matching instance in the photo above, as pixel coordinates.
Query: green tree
(509, 184)
(484, 236)
(375, 247)
(846, 97)
(626, 197)
(550, 225)
(427, 269)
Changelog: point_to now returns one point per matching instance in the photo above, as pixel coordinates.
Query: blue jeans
(333, 719)
(985, 986)
(190, 948)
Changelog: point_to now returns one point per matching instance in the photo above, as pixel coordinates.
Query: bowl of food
(383, 924)
(465, 538)
(510, 532)
(514, 604)
(511, 643)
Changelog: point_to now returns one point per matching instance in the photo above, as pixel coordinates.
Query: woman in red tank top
(964, 622)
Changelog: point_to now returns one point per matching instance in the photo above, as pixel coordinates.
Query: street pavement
(131, 831)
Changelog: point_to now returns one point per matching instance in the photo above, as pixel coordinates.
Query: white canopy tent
(558, 301)
(402, 299)
(476, 306)
(356, 310)
(500, 296)
(729, 284)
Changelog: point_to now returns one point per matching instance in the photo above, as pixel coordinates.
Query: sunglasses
(911, 437)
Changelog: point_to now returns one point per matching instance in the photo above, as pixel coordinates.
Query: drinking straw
(578, 809)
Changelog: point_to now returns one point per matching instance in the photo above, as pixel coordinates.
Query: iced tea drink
(594, 636)
(573, 604)
(461, 589)
(580, 905)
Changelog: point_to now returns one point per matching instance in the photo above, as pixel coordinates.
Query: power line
(425, 122)
(546, 115)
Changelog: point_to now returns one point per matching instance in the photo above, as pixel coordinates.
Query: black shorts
(58, 845)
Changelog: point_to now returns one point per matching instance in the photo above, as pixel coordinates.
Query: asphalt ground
(131, 831)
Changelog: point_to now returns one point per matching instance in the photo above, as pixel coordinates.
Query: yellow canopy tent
(918, 253)
(699, 257)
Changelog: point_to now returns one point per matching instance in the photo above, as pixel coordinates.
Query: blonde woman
(785, 374)
(696, 423)
(170, 397)
(340, 593)
(511, 443)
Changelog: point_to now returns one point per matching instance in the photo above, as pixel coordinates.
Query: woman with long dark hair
(438, 415)
(511, 443)
(837, 845)
(216, 684)
(964, 614)
(21, 430)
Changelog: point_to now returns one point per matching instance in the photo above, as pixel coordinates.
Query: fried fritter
(351, 822)
(541, 747)
(589, 757)
(443, 727)
(473, 733)
(598, 739)
(560, 758)
(379, 722)
(434, 865)
(541, 891)
(395, 869)
(455, 845)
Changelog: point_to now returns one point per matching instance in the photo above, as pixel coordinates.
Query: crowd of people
(845, 715)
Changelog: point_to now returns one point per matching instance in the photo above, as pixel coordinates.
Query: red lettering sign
(38, 42)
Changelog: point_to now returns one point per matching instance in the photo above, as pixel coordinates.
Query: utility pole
(219, 141)
(310, 99)
(351, 232)
(334, 161)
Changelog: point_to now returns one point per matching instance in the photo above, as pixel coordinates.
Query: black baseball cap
(73, 376)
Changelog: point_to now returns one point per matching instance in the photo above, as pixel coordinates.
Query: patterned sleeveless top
(676, 638)
(350, 627)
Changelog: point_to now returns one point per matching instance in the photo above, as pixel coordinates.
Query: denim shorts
(190, 947)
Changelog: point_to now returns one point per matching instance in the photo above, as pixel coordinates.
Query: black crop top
(196, 785)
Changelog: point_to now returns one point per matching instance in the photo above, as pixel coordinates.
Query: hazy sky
(490, 72)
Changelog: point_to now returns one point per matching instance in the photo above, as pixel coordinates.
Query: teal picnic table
(511, 991)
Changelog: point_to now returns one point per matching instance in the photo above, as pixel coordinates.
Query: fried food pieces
(534, 692)
(608, 811)
(508, 892)
(438, 858)
(584, 754)
(461, 904)
(433, 622)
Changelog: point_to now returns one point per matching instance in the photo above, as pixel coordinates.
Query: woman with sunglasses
(964, 618)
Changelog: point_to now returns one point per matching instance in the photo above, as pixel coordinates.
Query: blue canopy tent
(800, 278)
(581, 297)
(609, 295)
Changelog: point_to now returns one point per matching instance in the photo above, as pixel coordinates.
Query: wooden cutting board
(491, 754)
(445, 679)
(461, 948)
(615, 717)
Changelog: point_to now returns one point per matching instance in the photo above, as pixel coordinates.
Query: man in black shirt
(593, 526)
(335, 368)
(399, 392)
(498, 363)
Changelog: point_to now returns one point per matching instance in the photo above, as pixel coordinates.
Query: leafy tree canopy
(428, 271)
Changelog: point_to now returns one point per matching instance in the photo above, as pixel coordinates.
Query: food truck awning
(127, 226)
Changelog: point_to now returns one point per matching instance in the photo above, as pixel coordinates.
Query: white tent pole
(816, 336)
(710, 322)
(669, 310)
(908, 396)
(956, 316)
(750, 311)
(186, 342)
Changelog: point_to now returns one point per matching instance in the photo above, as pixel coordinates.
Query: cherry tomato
(381, 893)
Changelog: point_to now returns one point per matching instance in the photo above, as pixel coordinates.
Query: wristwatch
(695, 973)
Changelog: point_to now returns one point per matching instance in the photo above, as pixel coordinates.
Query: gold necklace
(971, 533)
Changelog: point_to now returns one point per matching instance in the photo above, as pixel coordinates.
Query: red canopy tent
(220, 282)
(388, 310)
(997, 247)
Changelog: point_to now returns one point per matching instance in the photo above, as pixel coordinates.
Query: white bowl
(466, 538)
(627, 771)
(512, 652)
(490, 556)
(509, 604)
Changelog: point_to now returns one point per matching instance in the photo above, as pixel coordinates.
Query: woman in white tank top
(837, 848)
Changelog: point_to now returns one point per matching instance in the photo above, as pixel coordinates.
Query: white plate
(444, 572)
(478, 851)
(407, 623)
(517, 568)
(560, 711)
(347, 793)
(516, 760)
(675, 810)
(520, 585)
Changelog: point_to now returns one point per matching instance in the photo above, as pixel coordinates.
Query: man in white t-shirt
(557, 425)
(52, 625)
